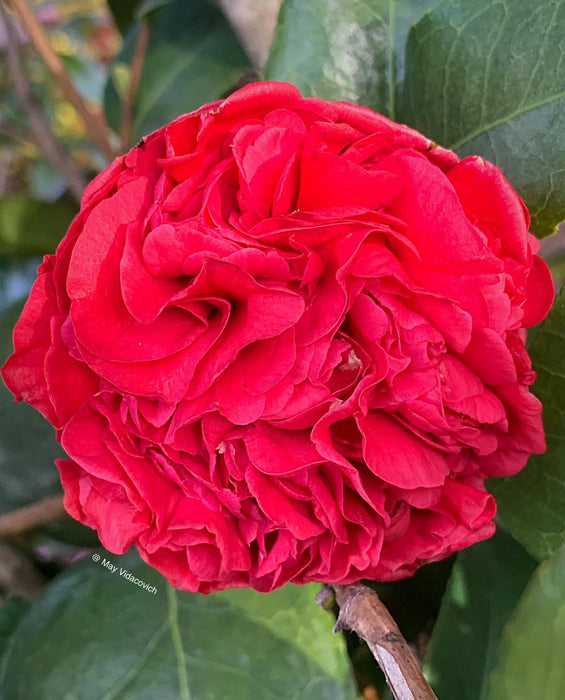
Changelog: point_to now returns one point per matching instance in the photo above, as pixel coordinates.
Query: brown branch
(16, 134)
(362, 611)
(94, 121)
(44, 137)
(30, 517)
(140, 50)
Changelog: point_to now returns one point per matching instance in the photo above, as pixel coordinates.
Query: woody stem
(362, 611)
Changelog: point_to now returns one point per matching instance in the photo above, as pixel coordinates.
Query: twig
(362, 611)
(44, 137)
(95, 122)
(29, 517)
(17, 134)
(140, 50)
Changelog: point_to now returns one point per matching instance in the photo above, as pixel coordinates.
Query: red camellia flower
(284, 341)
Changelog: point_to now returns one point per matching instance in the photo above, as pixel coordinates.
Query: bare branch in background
(136, 68)
(95, 121)
(361, 610)
(45, 139)
(15, 134)
(29, 517)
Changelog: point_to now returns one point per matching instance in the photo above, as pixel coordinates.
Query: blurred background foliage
(84, 36)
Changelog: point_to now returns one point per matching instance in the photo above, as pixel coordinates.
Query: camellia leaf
(146, 7)
(532, 503)
(11, 613)
(345, 49)
(488, 78)
(486, 583)
(123, 13)
(531, 654)
(97, 634)
(193, 57)
(477, 77)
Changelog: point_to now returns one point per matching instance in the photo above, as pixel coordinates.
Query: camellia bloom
(284, 341)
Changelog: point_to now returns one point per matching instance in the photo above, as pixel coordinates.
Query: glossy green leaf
(126, 13)
(345, 49)
(489, 78)
(94, 635)
(27, 441)
(532, 503)
(30, 227)
(486, 583)
(531, 651)
(11, 613)
(193, 57)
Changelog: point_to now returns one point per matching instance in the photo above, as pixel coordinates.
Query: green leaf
(193, 57)
(11, 613)
(489, 78)
(485, 585)
(485, 78)
(531, 654)
(94, 635)
(28, 444)
(124, 13)
(532, 503)
(147, 7)
(30, 227)
(345, 49)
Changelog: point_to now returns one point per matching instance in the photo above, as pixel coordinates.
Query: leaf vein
(541, 53)
(505, 120)
(140, 661)
(490, 54)
(173, 621)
